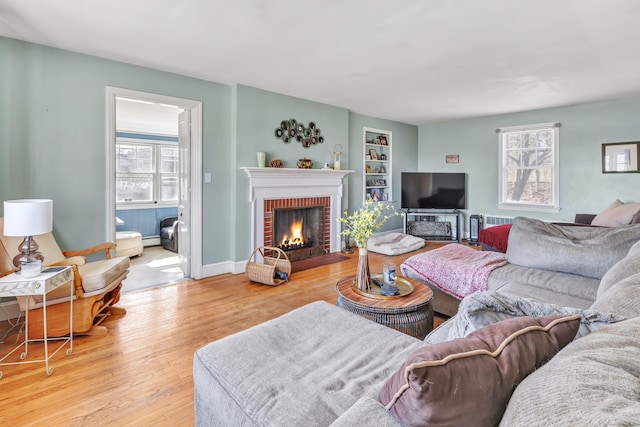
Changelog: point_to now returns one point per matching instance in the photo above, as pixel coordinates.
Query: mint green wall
(584, 128)
(52, 137)
(257, 114)
(52, 141)
(404, 149)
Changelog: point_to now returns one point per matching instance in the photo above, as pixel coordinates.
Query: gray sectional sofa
(320, 365)
(555, 263)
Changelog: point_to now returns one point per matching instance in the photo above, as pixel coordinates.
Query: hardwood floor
(141, 372)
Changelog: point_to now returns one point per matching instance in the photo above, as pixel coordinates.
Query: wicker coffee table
(411, 314)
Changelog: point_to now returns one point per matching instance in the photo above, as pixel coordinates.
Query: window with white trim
(529, 167)
(146, 172)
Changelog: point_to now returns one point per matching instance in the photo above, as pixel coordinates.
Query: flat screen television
(426, 190)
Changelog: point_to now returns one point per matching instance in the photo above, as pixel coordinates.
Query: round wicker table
(411, 314)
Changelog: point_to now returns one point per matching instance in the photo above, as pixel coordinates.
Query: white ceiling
(414, 61)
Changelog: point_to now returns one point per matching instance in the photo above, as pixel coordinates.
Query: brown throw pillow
(469, 381)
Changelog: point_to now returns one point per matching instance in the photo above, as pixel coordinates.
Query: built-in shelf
(377, 164)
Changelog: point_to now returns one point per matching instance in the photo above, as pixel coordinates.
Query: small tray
(404, 288)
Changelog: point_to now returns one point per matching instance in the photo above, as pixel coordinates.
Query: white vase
(262, 158)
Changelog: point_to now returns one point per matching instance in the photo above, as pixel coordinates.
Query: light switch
(207, 178)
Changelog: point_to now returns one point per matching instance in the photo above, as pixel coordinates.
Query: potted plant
(360, 226)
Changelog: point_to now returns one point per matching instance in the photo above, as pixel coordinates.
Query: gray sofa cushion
(627, 266)
(366, 412)
(623, 297)
(564, 289)
(484, 308)
(594, 381)
(569, 249)
(310, 364)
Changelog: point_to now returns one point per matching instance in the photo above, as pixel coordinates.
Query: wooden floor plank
(141, 372)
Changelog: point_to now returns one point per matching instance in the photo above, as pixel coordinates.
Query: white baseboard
(150, 241)
(223, 267)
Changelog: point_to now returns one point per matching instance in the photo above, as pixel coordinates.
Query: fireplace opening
(299, 231)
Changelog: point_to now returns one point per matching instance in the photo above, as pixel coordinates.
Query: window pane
(169, 159)
(513, 158)
(134, 189)
(530, 186)
(513, 140)
(169, 188)
(545, 158)
(134, 158)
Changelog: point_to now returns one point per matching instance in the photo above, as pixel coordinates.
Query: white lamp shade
(28, 217)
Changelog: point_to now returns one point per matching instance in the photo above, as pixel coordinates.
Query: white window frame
(156, 174)
(502, 190)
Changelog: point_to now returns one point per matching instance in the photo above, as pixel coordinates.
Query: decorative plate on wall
(292, 129)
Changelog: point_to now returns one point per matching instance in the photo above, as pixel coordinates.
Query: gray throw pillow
(484, 308)
(569, 249)
(627, 266)
(622, 298)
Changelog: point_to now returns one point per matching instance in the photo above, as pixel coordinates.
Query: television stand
(427, 224)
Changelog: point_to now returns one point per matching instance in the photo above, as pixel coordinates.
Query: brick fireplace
(288, 210)
(271, 188)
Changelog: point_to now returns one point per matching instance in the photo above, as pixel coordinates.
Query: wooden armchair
(97, 286)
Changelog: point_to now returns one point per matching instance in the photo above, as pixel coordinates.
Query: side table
(411, 314)
(14, 285)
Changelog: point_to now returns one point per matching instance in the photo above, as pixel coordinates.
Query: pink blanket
(455, 269)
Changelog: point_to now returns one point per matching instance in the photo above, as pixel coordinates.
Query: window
(146, 172)
(529, 167)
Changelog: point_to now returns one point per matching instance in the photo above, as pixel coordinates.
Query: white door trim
(195, 174)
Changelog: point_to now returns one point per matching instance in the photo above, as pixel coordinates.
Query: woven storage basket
(264, 272)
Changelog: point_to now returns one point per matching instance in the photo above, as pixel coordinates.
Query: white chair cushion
(394, 243)
(98, 275)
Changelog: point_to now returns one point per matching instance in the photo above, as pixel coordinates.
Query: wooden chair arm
(74, 260)
(106, 247)
(77, 282)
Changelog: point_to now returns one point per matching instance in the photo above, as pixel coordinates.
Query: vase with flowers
(360, 226)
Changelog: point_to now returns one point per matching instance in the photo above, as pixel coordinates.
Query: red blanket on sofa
(497, 236)
(455, 269)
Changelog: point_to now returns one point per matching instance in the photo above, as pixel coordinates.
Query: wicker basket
(264, 272)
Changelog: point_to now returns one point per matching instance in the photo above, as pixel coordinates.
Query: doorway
(176, 185)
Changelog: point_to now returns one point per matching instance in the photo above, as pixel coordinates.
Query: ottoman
(128, 243)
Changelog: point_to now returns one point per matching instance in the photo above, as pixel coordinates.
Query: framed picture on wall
(620, 157)
(452, 158)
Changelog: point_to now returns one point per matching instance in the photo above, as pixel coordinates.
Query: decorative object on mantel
(276, 163)
(262, 158)
(305, 163)
(337, 155)
(293, 130)
(360, 225)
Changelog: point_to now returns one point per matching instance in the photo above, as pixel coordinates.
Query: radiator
(493, 220)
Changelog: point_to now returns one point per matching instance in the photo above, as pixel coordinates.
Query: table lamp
(28, 218)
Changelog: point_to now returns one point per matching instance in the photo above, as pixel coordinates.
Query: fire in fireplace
(299, 231)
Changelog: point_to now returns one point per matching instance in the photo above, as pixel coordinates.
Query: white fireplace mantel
(285, 183)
